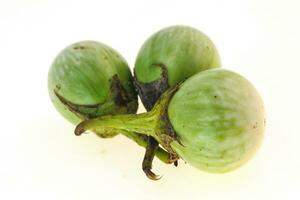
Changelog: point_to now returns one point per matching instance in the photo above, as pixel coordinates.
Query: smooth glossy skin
(219, 118)
(82, 73)
(183, 50)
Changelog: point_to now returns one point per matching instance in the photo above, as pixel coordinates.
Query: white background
(40, 158)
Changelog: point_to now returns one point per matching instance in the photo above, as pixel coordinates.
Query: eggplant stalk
(154, 123)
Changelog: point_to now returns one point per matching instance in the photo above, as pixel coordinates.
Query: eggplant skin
(219, 118)
(170, 56)
(89, 79)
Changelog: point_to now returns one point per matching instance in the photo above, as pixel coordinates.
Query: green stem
(141, 140)
(88, 111)
(154, 123)
(142, 123)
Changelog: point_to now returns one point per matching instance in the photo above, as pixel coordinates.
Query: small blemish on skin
(215, 96)
(79, 47)
(255, 125)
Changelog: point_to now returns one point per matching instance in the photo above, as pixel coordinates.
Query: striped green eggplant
(170, 56)
(214, 121)
(89, 79)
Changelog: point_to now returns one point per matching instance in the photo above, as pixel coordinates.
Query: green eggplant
(170, 56)
(214, 121)
(89, 79)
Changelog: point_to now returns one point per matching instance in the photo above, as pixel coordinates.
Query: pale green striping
(83, 71)
(87, 72)
(218, 109)
(183, 50)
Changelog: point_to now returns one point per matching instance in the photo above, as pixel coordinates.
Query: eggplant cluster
(210, 117)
